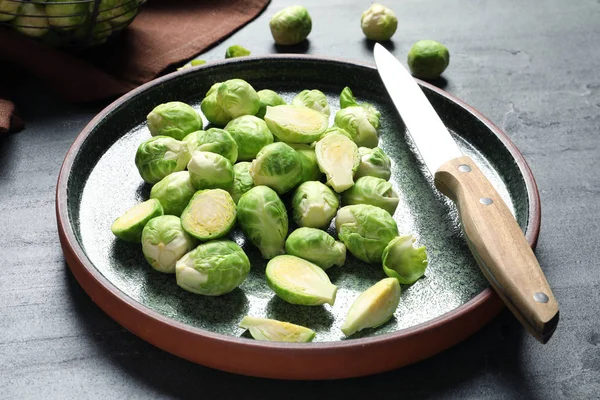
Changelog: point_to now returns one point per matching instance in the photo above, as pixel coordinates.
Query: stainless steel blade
(425, 127)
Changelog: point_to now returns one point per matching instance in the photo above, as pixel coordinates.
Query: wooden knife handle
(499, 246)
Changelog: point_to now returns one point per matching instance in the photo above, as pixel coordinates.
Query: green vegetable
(124, 13)
(210, 171)
(373, 191)
(66, 14)
(214, 140)
(298, 281)
(251, 134)
(373, 162)
(164, 242)
(378, 22)
(296, 124)
(365, 230)
(236, 51)
(213, 268)
(314, 205)
(175, 119)
(308, 159)
(277, 166)
(316, 246)
(373, 307)
(314, 99)
(101, 31)
(130, 225)
(268, 98)
(32, 20)
(276, 331)
(8, 9)
(427, 59)
(401, 260)
(242, 180)
(174, 192)
(338, 159)
(195, 63)
(160, 156)
(336, 129)
(263, 219)
(291, 25)
(209, 215)
(355, 120)
(106, 10)
(212, 110)
(237, 97)
(347, 99)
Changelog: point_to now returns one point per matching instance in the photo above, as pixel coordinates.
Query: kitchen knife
(492, 233)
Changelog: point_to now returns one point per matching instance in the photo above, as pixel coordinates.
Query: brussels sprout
(316, 246)
(236, 51)
(160, 156)
(174, 192)
(124, 13)
(314, 99)
(268, 98)
(213, 268)
(195, 63)
(314, 205)
(308, 159)
(276, 331)
(9, 9)
(291, 25)
(175, 119)
(164, 242)
(101, 31)
(378, 22)
(373, 307)
(210, 171)
(338, 159)
(347, 99)
(427, 59)
(209, 215)
(277, 166)
(242, 180)
(66, 14)
(214, 140)
(373, 162)
(296, 124)
(250, 134)
(374, 191)
(32, 21)
(130, 225)
(355, 121)
(336, 129)
(298, 281)
(212, 110)
(106, 10)
(365, 230)
(238, 98)
(401, 260)
(263, 219)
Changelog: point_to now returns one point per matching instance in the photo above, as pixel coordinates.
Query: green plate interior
(104, 182)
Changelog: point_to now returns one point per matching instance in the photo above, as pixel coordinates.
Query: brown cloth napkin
(165, 34)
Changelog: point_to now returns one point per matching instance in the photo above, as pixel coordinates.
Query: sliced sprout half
(338, 159)
(276, 331)
(164, 242)
(130, 225)
(296, 124)
(403, 261)
(209, 215)
(316, 246)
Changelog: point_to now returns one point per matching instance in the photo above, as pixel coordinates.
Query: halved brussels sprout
(401, 260)
(160, 156)
(66, 14)
(291, 25)
(373, 307)
(373, 191)
(237, 97)
(347, 99)
(251, 134)
(164, 242)
(268, 98)
(296, 124)
(130, 225)
(212, 110)
(242, 180)
(308, 159)
(355, 121)
(338, 159)
(174, 192)
(209, 215)
(32, 20)
(298, 281)
(263, 219)
(277, 166)
(236, 51)
(175, 119)
(314, 205)
(214, 140)
(276, 331)
(314, 99)
(210, 171)
(213, 269)
(378, 22)
(365, 230)
(316, 246)
(9, 9)
(373, 162)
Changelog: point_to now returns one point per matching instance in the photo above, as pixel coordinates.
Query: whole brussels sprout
(316, 246)
(213, 269)
(263, 219)
(174, 192)
(291, 25)
(250, 134)
(338, 159)
(242, 180)
(236, 51)
(277, 166)
(124, 12)
(9, 9)
(355, 121)
(401, 260)
(374, 191)
(314, 205)
(160, 156)
(296, 124)
(373, 162)
(175, 119)
(347, 99)
(308, 159)
(212, 110)
(237, 97)
(378, 22)
(32, 20)
(276, 331)
(365, 230)
(164, 242)
(130, 225)
(210, 171)
(214, 140)
(314, 99)
(209, 215)
(66, 14)
(268, 98)
(427, 59)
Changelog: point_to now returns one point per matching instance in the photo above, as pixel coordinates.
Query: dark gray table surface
(532, 67)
